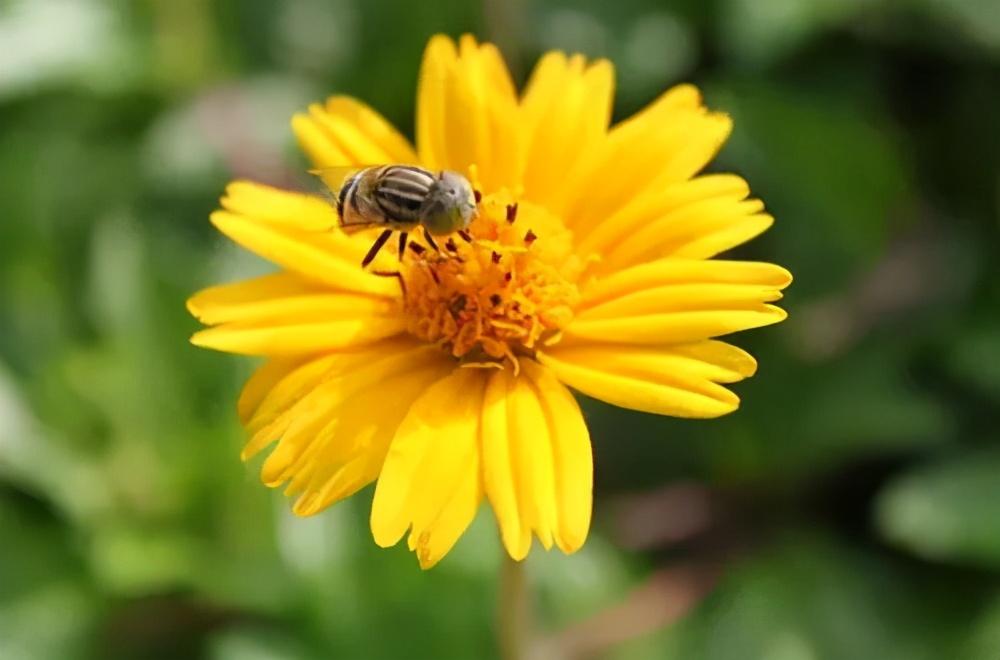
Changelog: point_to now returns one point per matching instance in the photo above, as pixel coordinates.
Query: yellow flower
(590, 267)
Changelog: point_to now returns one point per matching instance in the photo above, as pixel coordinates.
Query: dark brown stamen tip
(512, 212)
(465, 235)
(458, 304)
(495, 299)
(450, 245)
(434, 276)
(478, 195)
(530, 237)
(495, 257)
(507, 277)
(417, 248)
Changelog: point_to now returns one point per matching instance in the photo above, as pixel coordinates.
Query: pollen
(500, 295)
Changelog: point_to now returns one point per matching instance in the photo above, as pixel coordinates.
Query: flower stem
(513, 610)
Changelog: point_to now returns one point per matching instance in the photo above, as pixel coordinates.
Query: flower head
(589, 265)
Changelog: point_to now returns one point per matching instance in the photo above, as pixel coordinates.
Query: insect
(402, 198)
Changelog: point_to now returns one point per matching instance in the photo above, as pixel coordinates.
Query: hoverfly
(401, 198)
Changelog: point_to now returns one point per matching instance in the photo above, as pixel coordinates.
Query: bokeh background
(849, 510)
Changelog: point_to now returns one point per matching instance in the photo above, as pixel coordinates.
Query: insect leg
(379, 242)
(403, 236)
(430, 241)
(465, 235)
(393, 273)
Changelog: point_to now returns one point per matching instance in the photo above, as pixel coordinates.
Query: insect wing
(334, 178)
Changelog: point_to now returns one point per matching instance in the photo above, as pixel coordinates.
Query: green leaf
(946, 511)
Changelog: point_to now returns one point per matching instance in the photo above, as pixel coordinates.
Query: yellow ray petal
(671, 327)
(673, 233)
(466, 111)
(678, 300)
(263, 381)
(307, 427)
(269, 419)
(668, 142)
(431, 478)
(678, 380)
(351, 448)
(282, 298)
(319, 257)
(664, 272)
(531, 453)
(565, 112)
(537, 464)
(299, 338)
(292, 227)
(499, 467)
(283, 396)
(345, 131)
(571, 457)
(282, 208)
(646, 208)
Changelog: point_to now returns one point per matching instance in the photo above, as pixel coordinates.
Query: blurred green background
(849, 510)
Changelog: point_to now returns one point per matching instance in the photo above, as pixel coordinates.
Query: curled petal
(680, 380)
(431, 483)
(344, 131)
(340, 423)
(333, 375)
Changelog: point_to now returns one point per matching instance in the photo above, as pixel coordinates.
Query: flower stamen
(498, 294)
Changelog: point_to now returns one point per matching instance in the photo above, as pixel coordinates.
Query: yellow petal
(674, 233)
(431, 478)
(674, 327)
(531, 452)
(308, 430)
(298, 231)
(262, 382)
(466, 111)
(678, 380)
(537, 463)
(318, 257)
(345, 131)
(571, 456)
(298, 338)
(499, 467)
(668, 142)
(668, 272)
(649, 207)
(565, 112)
(282, 208)
(677, 301)
(281, 298)
(677, 285)
(281, 396)
(351, 448)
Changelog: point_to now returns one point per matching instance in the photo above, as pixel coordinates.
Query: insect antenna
(376, 246)
(403, 237)
(430, 241)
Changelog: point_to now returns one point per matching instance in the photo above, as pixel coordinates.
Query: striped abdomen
(388, 195)
(400, 192)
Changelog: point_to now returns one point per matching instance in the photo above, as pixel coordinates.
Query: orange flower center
(499, 295)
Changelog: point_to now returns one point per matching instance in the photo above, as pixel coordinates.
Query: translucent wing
(335, 177)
